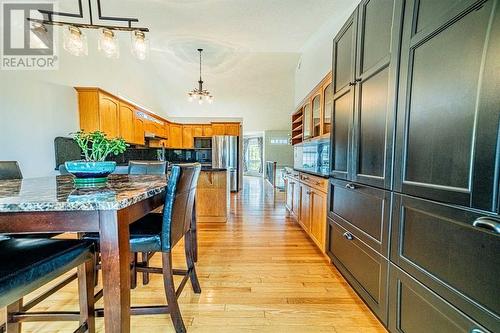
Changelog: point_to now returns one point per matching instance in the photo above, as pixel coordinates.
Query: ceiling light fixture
(140, 45)
(75, 41)
(200, 94)
(108, 44)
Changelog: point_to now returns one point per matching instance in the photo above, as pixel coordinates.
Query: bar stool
(161, 232)
(38, 261)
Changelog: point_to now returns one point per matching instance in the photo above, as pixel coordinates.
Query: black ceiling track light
(75, 41)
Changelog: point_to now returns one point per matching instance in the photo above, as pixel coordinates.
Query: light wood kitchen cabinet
(212, 196)
(218, 129)
(197, 130)
(175, 137)
(187, 137)
(138, 130)
(109, 109)
(313, 117)
(318, 207)
(232, 129)
(305, 211)
(127, 115)
(207, 130)
(306, 200)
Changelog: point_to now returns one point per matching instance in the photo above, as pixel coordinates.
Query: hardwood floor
(258, 273)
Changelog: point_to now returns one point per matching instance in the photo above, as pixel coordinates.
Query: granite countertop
(59, 194)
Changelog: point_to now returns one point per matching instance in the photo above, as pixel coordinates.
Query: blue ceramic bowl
(90, 170)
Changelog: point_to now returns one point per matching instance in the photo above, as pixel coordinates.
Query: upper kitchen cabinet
(307, 121)
(344, 52)
(365, 92)
(187, 136)
(175, 136)
(98, 111)
(377, 58)
(218, 129)
(448, 115)
(316, 114)
(127, 115)
(207, 130)
(139, 130)
(327, 107)
(197, 130)
(232, 129)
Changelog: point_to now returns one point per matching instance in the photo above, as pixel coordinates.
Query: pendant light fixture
(75, 41)
(140, 45)
(108, 45)
(199, 93)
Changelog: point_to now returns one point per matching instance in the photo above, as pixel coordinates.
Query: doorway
(252, 156)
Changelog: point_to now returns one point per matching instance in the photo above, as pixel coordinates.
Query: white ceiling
(252, 48)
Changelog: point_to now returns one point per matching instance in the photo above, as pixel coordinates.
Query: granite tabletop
(59, 194)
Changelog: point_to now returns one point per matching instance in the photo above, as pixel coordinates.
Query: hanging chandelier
(200, 94)
(75, 40)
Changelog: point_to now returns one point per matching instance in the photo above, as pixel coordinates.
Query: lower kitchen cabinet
(305, 211)
(451, 251)
(306, 200)
(414, 308)
(364, 268)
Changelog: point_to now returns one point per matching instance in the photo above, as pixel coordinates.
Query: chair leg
(168, 281)
(145, 262)
(188, 247)
(194, 238)
(12, 308)
(133, 272)
(86, 292)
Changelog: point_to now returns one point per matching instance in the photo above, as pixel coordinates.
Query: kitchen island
(212, 195)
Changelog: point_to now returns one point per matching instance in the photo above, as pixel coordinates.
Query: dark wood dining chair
(160, 232)
(39, 261)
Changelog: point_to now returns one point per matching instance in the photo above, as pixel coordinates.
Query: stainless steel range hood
(153, 136)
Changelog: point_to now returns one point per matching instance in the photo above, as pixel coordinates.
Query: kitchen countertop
(318, 174)
(59, 194)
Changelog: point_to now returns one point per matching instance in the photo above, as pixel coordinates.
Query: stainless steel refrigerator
(225, 155)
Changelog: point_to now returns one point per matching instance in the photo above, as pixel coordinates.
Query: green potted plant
(94, 169)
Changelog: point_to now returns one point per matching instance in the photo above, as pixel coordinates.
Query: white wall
(316, 58)
(32, 114)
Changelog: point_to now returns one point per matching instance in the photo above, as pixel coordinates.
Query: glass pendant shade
(75, 42)
(108, 44)
(140, 45)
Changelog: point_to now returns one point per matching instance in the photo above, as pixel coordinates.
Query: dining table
(55, 205)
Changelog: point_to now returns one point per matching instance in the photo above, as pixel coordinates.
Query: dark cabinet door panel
(371, 133)
(446, 114)
(344, 46)
(413, 308)
(378, 46)
(365, 269)
(364, 209)
(440, 246)
(341, 134)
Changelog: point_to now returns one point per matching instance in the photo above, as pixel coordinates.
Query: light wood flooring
(258, 273)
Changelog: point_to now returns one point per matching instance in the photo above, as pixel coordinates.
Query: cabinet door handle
(487, 223)
(357, 80)
(308, 192)
(352, 84)
(476, 330)
(292, 183)
(350, 186)
(348, 235)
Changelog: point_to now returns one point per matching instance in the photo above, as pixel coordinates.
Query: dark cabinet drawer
(364, 208)
(439, 246)
(413, 308)
(364, 268)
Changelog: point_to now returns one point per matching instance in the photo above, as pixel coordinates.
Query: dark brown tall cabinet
(413, 217)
